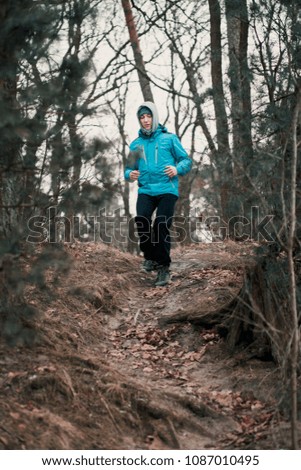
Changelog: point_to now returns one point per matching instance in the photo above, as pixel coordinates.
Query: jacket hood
(158, 131)
(153, 108)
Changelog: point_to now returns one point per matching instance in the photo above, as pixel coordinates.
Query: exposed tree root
(257, 315)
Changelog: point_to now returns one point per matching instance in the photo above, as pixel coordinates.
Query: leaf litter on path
(107, 374)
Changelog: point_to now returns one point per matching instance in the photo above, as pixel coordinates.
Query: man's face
(146, 121)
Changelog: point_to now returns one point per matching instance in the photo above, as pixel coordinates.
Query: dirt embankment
(108, 372)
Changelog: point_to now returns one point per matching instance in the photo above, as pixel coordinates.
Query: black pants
(155, 239)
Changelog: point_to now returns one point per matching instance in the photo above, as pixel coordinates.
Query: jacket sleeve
(127, 172)
(183, 162)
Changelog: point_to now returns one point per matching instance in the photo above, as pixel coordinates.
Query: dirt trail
(108, 373)
(235, 397)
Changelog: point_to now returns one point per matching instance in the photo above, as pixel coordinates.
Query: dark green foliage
(45, 64)
(133, 158)
(20, 282)
(94, 148)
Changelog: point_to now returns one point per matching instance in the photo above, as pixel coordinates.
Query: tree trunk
(134, 39)
(237, 29)
(258, 316)
(222, 128)
(222, 155)
(181, 220)
(11, 180)
(74, 190)
(32, 195)
(295, 341)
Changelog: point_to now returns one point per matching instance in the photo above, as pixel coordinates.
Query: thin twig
(137, 315)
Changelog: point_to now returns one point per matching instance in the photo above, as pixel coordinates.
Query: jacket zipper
(146, 163)
(156, 154)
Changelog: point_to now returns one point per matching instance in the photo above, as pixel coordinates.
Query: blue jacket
(150, 155)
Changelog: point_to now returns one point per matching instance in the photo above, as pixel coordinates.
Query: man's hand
(171, 171)
(134, 175)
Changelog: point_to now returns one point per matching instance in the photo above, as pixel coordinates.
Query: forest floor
(106, 371)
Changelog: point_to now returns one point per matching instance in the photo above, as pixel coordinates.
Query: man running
(157, 159)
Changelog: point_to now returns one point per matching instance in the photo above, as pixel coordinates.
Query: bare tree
(240, 77)
(120, 148)
(222, 153)
(11, 181)
(295, 342)
(193, 58)
(222, 128)
(138, 57)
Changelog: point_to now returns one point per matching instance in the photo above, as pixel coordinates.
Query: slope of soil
(107, 372)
